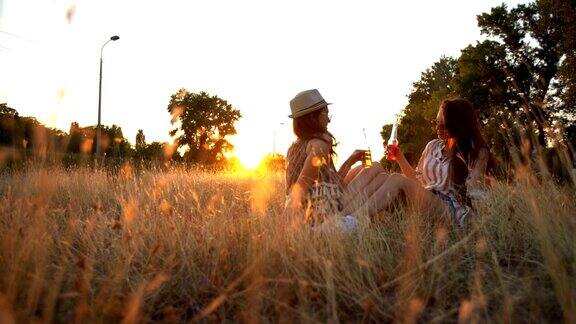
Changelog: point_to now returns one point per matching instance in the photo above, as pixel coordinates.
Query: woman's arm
(356, 156)
(317, 153)
(405, 166)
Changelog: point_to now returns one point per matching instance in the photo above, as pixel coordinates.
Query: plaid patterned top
(324, 198)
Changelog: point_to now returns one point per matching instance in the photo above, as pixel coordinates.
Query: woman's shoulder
(434, 144)
(319, 146)
(296, 147)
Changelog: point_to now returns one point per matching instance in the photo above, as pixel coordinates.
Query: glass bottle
(367, 161)
(392, 150)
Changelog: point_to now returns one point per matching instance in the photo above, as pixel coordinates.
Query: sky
(363, 57)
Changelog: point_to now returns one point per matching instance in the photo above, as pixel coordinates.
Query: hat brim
(310, 109)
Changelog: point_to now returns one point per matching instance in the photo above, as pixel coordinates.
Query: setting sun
(232, 161)
(249, 157)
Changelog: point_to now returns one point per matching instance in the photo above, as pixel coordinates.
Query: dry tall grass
(174, 246)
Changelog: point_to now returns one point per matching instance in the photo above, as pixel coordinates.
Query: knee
(396, 177)
(355, 169)
(377, 166)
(390, 182)
(382, 177)
(375, 169)
(353, 172)
(403, 184)
(399, 181)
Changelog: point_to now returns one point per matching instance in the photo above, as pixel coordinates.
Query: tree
(11, 132)
(482, 80)
(414, 128)
(203, 122)
(533, 42)
(140, 147)
(7, 111)
(272, 162)
(75, 138)
(113, 142)
(154, 151)
(571, 135)
(28, 137)
(565, 11)
(521, 79)
(140, 140)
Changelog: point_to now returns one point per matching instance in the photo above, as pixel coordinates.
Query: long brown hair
(308, 126)
(465, 140)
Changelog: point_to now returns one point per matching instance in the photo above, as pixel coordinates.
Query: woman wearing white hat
(312, 182)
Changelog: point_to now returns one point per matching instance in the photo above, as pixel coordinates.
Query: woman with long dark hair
(451, 168)
(313, 184)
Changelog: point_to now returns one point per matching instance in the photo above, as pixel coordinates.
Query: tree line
(22, 137)
(201, 124)
(521, 79)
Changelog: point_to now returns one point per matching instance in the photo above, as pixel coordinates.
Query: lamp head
(114, 38)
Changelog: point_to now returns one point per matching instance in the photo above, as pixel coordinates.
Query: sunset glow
(249, 157)
(292, 161)
(54, 50)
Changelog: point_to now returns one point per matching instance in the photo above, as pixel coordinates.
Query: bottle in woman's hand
(367, 160)
(392, 149)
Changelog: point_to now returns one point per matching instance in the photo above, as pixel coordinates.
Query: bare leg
(361, 181)
(363, 176)
(354, 199)
(389, 192)
(352, 174)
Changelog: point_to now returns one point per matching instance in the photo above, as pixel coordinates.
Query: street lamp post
(113, 38)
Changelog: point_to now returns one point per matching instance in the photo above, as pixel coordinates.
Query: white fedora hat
(306, 102)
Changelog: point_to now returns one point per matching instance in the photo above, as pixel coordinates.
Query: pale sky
(362, 56)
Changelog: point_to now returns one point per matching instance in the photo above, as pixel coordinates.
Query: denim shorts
(447, 201)
(459, 211)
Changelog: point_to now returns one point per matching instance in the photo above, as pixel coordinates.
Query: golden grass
(178, 246)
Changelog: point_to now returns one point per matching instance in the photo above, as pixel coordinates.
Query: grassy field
(179, 246)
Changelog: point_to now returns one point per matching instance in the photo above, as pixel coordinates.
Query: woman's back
(324, 197)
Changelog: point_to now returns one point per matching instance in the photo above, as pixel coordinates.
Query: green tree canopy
(202, 123)
(483, 81)
(140, 140)
(27, 134)
(113, 143)
(519, 79)
(272, 162)
(531, 43)
(11, 130)
(414, 128)
(154, 151)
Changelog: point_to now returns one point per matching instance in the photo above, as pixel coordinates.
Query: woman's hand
(356, 156)
(404, 165)
(396, 151)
